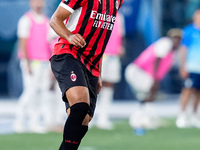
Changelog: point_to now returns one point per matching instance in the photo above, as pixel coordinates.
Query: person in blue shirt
(190, 72)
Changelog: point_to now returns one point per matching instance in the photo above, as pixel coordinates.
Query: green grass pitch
(120, 138)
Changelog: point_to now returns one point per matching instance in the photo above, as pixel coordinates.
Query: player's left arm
(100, 79)
(156, 83)
(156, 66)
(162, 48)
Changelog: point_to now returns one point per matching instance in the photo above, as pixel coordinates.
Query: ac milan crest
(73, 76)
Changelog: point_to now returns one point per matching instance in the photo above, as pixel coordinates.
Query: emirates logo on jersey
(102, 20)
(117, 4)
(73, 76)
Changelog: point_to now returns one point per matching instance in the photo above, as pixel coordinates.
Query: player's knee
(81, 107)
(90, 118)
(86, 120)
(77, 95)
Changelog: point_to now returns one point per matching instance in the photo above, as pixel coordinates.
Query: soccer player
(34, 36)
(145, 73)
(152, 65)
(76, 60)
(190, 71)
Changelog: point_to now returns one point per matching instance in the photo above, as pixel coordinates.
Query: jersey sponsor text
(103, 21)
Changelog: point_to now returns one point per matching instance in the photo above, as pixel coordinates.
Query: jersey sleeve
(186, 37)
(120, 19)
(23, 28)
(71, 5)
(163, 47)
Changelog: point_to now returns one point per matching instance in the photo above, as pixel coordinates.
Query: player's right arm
(23, 31)
(57, 24)
(182, 71)
(186, 40)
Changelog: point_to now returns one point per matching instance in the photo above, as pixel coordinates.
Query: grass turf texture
(121, 138)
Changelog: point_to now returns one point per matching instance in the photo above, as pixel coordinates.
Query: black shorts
(70, 72)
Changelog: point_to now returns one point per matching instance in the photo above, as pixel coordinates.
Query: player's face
(176, 42)
(37, 5)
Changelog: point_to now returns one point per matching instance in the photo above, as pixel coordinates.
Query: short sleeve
(71, 5)
(163, 46)
(186, 37)
(120, 18)
(23, 28)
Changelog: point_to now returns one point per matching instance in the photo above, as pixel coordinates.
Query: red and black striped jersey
(94, 20)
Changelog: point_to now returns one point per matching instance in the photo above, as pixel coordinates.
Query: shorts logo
(73, 76)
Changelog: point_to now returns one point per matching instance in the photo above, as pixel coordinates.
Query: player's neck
(197, 25)
(37, 11)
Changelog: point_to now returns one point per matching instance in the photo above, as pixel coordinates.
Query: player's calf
(73, 127)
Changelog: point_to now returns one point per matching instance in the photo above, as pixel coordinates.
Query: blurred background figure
(190, 72)
(191, 7)
(34, 36)
(56, 116)
(145, 73)
(111, 72)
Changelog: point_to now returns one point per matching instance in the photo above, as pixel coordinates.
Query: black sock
(61, 146)
(84, 130)
(72, 131)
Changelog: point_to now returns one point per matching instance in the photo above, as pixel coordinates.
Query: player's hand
(99, 85)
(155, 86)
(29, 68)
(76, 40)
